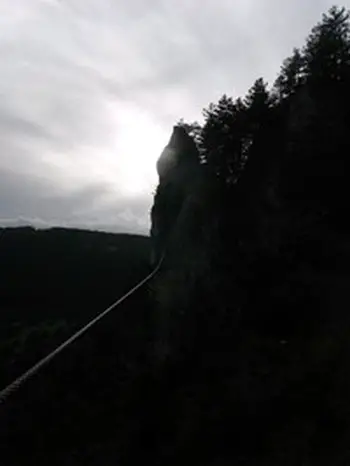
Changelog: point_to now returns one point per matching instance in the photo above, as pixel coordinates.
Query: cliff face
(178, 170)
(178, 230)
(178, 159)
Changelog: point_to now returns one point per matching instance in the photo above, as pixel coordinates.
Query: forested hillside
(45, 270)
(252, 304)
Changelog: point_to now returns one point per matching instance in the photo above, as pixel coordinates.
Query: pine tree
(292, 75)
(222, 138)
(257, 98)
(327, 50)
(258, 104)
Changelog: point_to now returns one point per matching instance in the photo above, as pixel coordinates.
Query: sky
(90, 91)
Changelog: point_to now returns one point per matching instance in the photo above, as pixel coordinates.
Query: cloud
(90, 91)
(31, 200)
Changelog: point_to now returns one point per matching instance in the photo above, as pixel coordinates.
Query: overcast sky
(90, 89)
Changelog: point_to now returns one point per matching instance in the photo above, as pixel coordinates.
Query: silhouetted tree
(222, 138)
(292, 75)
(327, 50)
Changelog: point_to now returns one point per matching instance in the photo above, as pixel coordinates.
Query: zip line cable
(15, 385)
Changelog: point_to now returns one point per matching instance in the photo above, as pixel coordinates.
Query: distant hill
(53, 280)
(43, 270)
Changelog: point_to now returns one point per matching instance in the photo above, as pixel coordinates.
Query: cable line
(15, 385)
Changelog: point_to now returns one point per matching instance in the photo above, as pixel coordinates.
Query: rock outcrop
(178, 170)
